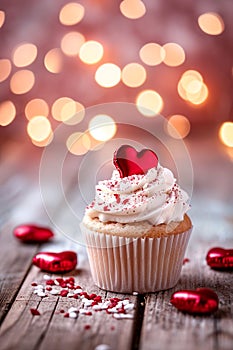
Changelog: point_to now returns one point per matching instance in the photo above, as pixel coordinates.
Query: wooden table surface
(156, 324)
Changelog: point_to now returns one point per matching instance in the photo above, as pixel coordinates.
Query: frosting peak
(154, 196)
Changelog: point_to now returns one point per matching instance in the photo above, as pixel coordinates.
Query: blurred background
(59, 58)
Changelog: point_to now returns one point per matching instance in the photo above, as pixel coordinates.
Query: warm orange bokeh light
(2, 18)
(5, 69)
(211, 23)
(102, 127)
(108, 75)
(132, 9)
(152, 54)
(22, 82)
(174, 54)
(178, 126)
(44, 142)
(39, 128)
(36, 107)
(78, 143)
(72, 113)
(7, 112)
(66, 110)
(24, 54)
(133, 75)
(226, 133)
(71, 43)
(149, 103)
(71, 13)
(53, 60)
(91, 52)
(192, 88)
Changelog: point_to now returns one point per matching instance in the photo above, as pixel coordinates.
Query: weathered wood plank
(164, 327)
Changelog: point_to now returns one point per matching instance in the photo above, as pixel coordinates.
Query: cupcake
(136, 229)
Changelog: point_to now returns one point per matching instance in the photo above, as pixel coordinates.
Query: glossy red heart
(199, 301)
(130, 162)
(32, 233)
(56, 262)
(220, 258)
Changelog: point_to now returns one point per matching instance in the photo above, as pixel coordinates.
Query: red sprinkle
(87, 326)
(50, 282)
(89, 313)
(35, 312)
(66, 315)
(186, 260)
(49, 288)
(33, 284)
(62, 311)
(63, 293)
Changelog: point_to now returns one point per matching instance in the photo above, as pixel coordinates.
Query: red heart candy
(56, 262)
(199, 301)
(220, 258)
(130, 162)
(32, 233)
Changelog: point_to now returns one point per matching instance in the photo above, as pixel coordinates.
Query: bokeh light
(149, 103)
(39, 128)
(2, 18)
(192, 88)
(91, 52)
(22, 81)
(36, 107)
(53, 60)
(211, 23)
(178, 126)
(71, 13)
(133, 75)
(78, 143)
(71, 43)
(199, 97)
(5, 69)
(44, 142)
(132, 9)
(72, 112)
(58, 106)
(152, 54)
(226, 133)
(24, 54)
(102, 127)
(7, 112)
(174, 54)
(108, 75)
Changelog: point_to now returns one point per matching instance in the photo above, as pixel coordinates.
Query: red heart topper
(199, 301)
(56, 262)
(130, 162)
(220, 258)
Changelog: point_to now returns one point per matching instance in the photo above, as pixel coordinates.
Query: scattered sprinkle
(186, 260)
(35, 312)
(88, 303)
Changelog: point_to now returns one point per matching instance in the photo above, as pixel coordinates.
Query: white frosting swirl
(154, 197)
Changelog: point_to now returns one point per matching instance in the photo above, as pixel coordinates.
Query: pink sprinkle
(35, 312)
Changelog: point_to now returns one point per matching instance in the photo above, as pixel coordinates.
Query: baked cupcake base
(128, 264)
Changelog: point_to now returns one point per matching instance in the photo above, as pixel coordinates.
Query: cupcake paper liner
(143, 265)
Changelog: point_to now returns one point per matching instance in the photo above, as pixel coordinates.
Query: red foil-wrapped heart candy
(220, 258)
(56, 262)
(32, 233)
(130, 162)
(199, 301)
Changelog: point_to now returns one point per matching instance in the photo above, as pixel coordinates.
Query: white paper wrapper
(142, 265)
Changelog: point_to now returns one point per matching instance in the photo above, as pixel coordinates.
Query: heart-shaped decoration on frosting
(130, 162)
